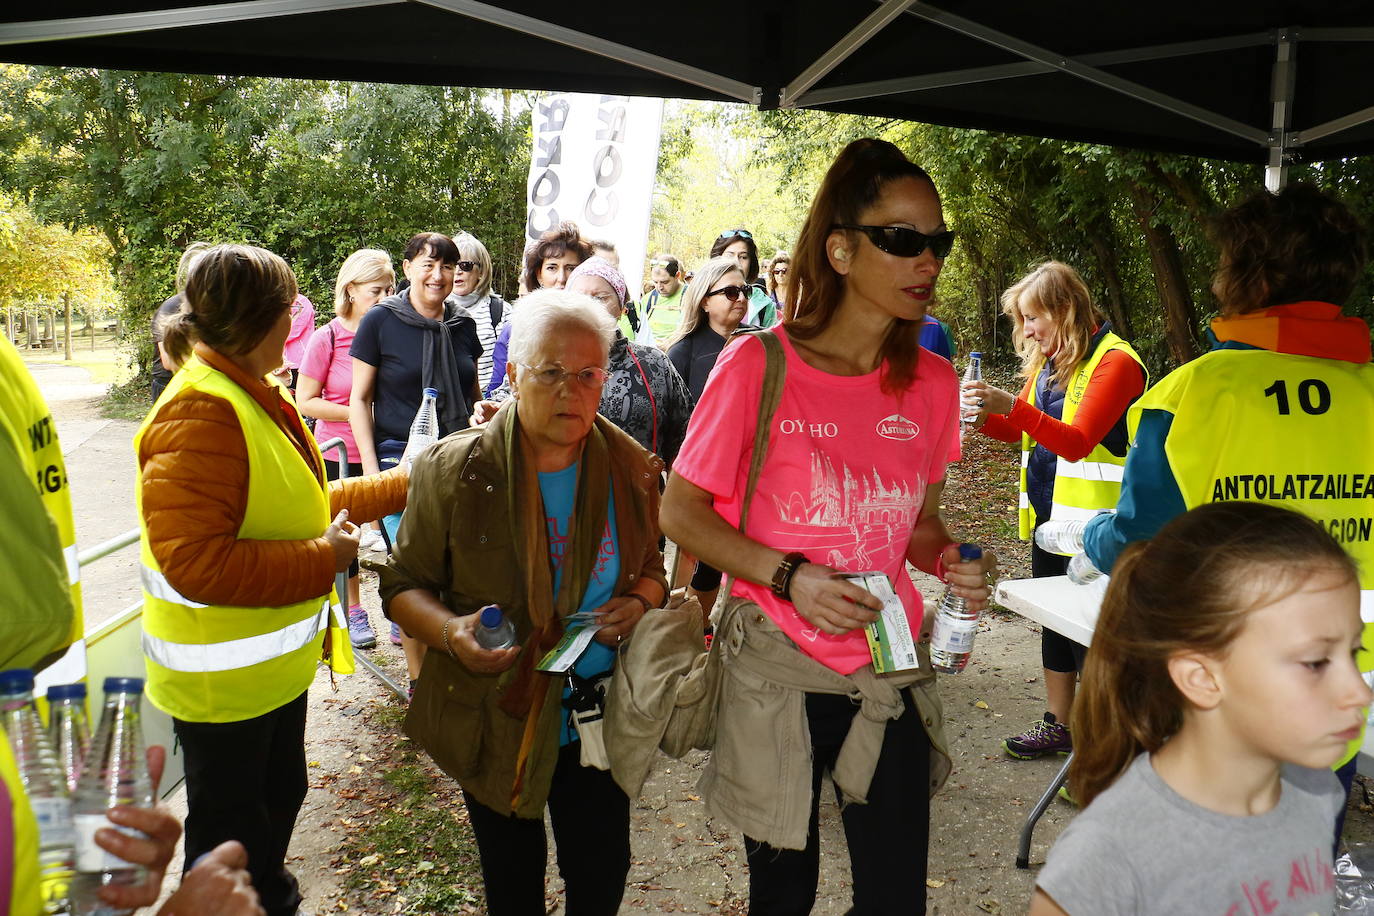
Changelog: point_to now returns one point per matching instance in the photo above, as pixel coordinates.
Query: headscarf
(600, 267)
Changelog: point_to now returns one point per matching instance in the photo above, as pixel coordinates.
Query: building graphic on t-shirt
(856, 518)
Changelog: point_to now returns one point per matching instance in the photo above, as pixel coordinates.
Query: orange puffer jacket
(194, 475)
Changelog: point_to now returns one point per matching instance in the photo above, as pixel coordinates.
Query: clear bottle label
(89, 856)
(54, 817)
(953, 635)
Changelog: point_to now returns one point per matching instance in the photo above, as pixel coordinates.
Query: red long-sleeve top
(1115, 383)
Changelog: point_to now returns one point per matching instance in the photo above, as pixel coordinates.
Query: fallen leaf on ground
(934, 882)
(981, 705)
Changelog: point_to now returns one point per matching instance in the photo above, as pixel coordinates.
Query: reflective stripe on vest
(235, 653)
(221, 663)
(73, 564)
(1084, 487)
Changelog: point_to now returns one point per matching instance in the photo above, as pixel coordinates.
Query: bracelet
(642, 600)
(782, 576)
(444, 633)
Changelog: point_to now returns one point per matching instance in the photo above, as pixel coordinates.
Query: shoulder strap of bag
(774, 374)
(494, 306)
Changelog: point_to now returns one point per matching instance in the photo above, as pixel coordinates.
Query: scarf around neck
(527, 692)
(438, 364)
(1300, 328)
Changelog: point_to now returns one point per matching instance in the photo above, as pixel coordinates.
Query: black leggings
(705, 578)
(246, 781)
(591, 828)
(888, 836)
(1057, 653)
(331, 472)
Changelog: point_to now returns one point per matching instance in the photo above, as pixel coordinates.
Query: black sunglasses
(466, 267)
(904, 242)
(732, 292)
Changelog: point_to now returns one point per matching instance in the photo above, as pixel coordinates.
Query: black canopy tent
(1247, 80)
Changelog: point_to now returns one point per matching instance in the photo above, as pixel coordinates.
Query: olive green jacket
(456, 540)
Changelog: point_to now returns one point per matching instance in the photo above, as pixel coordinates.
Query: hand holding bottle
(218, 885)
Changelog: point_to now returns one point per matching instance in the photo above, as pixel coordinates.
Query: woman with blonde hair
(326, 381)
(239, 556)
(778, 268)
(1070, 417)
(472, 290)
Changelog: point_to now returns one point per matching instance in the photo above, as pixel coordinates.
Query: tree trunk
(1170, 281)
(1104, 247)
(67, 326)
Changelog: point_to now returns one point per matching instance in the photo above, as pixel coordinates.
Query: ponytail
(1188, 589)
(178, 333)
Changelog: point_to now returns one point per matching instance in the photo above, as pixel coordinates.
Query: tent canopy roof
(1236, 79)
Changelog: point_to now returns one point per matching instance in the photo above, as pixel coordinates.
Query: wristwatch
(782, 576)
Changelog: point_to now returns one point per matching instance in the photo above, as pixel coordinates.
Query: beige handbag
(666, 685)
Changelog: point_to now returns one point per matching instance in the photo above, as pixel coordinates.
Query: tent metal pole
(950, 78)
(12, 33)
(1285, 78)
(874, 23)
(1354, 119)
(1090, 74)
(582, 41)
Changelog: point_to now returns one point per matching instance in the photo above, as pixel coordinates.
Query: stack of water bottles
(71, 781)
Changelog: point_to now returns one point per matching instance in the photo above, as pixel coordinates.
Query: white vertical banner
(594, 161)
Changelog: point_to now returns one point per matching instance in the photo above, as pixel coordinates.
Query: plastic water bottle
(116, 773)
(43, 784)
(493, 630)
(68, 729)
(973, 373)
(1064, 538)
(424, 429)
(951, 641)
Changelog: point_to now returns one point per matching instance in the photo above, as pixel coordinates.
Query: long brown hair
(1293, 246)
(1054, 289)
(1187, 589)
(854, 183)
(234, 295)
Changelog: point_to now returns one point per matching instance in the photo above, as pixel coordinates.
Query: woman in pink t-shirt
(852, 483)
(326, 379)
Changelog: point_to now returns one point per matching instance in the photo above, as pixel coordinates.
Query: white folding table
(1071, 610)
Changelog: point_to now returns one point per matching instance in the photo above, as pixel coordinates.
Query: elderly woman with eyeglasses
(547, 512)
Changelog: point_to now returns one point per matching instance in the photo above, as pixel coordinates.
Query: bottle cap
(970, 552)
(16, 680)
(431, 392)
(123, 685)
(75, 691)
(976, 354)
(492, 617)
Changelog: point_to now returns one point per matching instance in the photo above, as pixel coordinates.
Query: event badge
(581, 627)
(890, 640)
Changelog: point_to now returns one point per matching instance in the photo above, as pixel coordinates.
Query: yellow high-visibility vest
(1292, 431)
(17, 825)
(26, 420)
(209, 663)
(1081, 488)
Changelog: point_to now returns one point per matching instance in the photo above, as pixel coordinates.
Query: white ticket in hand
(890, 641)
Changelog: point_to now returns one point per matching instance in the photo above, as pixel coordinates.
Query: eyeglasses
(904, 242)
(466, 267)
(548, 376)
(779, 270)
(732, 233)
(733, 293)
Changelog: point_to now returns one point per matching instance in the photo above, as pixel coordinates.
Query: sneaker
(371, 539)
(395, 634)
(360, 631)
(1047, 736)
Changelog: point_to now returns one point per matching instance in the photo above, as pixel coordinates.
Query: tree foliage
(309, 169)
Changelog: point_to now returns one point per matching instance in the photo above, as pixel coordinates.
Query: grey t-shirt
(1141, 848)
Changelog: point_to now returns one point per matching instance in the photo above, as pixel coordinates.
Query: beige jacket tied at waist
(759, 775)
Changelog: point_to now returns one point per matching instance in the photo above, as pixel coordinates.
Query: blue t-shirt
(558, 488)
